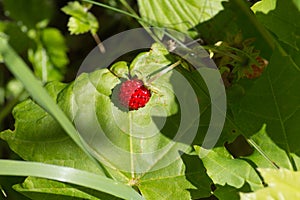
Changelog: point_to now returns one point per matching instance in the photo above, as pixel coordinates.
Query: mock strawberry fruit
(133, 94)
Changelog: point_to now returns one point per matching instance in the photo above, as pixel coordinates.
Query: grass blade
(68, 175)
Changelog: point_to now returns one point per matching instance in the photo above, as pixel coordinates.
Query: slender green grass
(68, 175)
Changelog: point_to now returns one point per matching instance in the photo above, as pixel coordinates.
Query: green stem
(3, 192)
(117, 10)
(145, 24)
(128, 7)
(254, 145)
(99, 43)
(225, 53)
(164, 71)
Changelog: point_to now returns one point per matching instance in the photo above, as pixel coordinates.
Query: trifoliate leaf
(81, 20)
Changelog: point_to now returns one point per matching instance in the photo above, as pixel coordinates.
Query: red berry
(133, 94)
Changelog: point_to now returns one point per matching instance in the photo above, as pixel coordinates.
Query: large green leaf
(223, 169)
(230, 193)
(180, 15)
(38, 188)
(177, 181)
(273, 99)
(282, 184)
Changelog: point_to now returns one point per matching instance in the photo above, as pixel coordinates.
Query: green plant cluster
(256, 49)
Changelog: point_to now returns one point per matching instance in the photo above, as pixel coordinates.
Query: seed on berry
(133, 94)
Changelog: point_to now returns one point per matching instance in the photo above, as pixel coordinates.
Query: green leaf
(264, 6)
(230, 193)
(273, 99)
(49, 59)
(281, 21)
(183, 179)
(296, 160)
(180, 15)
(81, 21)
(29, 12)
(270, 149)
(282, 184)
(223, 169)
(39, 188)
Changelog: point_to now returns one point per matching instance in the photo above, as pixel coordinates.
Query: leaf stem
(253, 144)
(226, 53)
(99, 43)
(3, 192)
(117, 10)
(164, 71)
(128, 7)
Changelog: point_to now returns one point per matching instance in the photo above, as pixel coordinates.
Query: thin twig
(3, 192)
(262, 153)
(164, 71)
(99, 43)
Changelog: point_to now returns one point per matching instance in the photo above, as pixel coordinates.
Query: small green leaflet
(81, 20)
